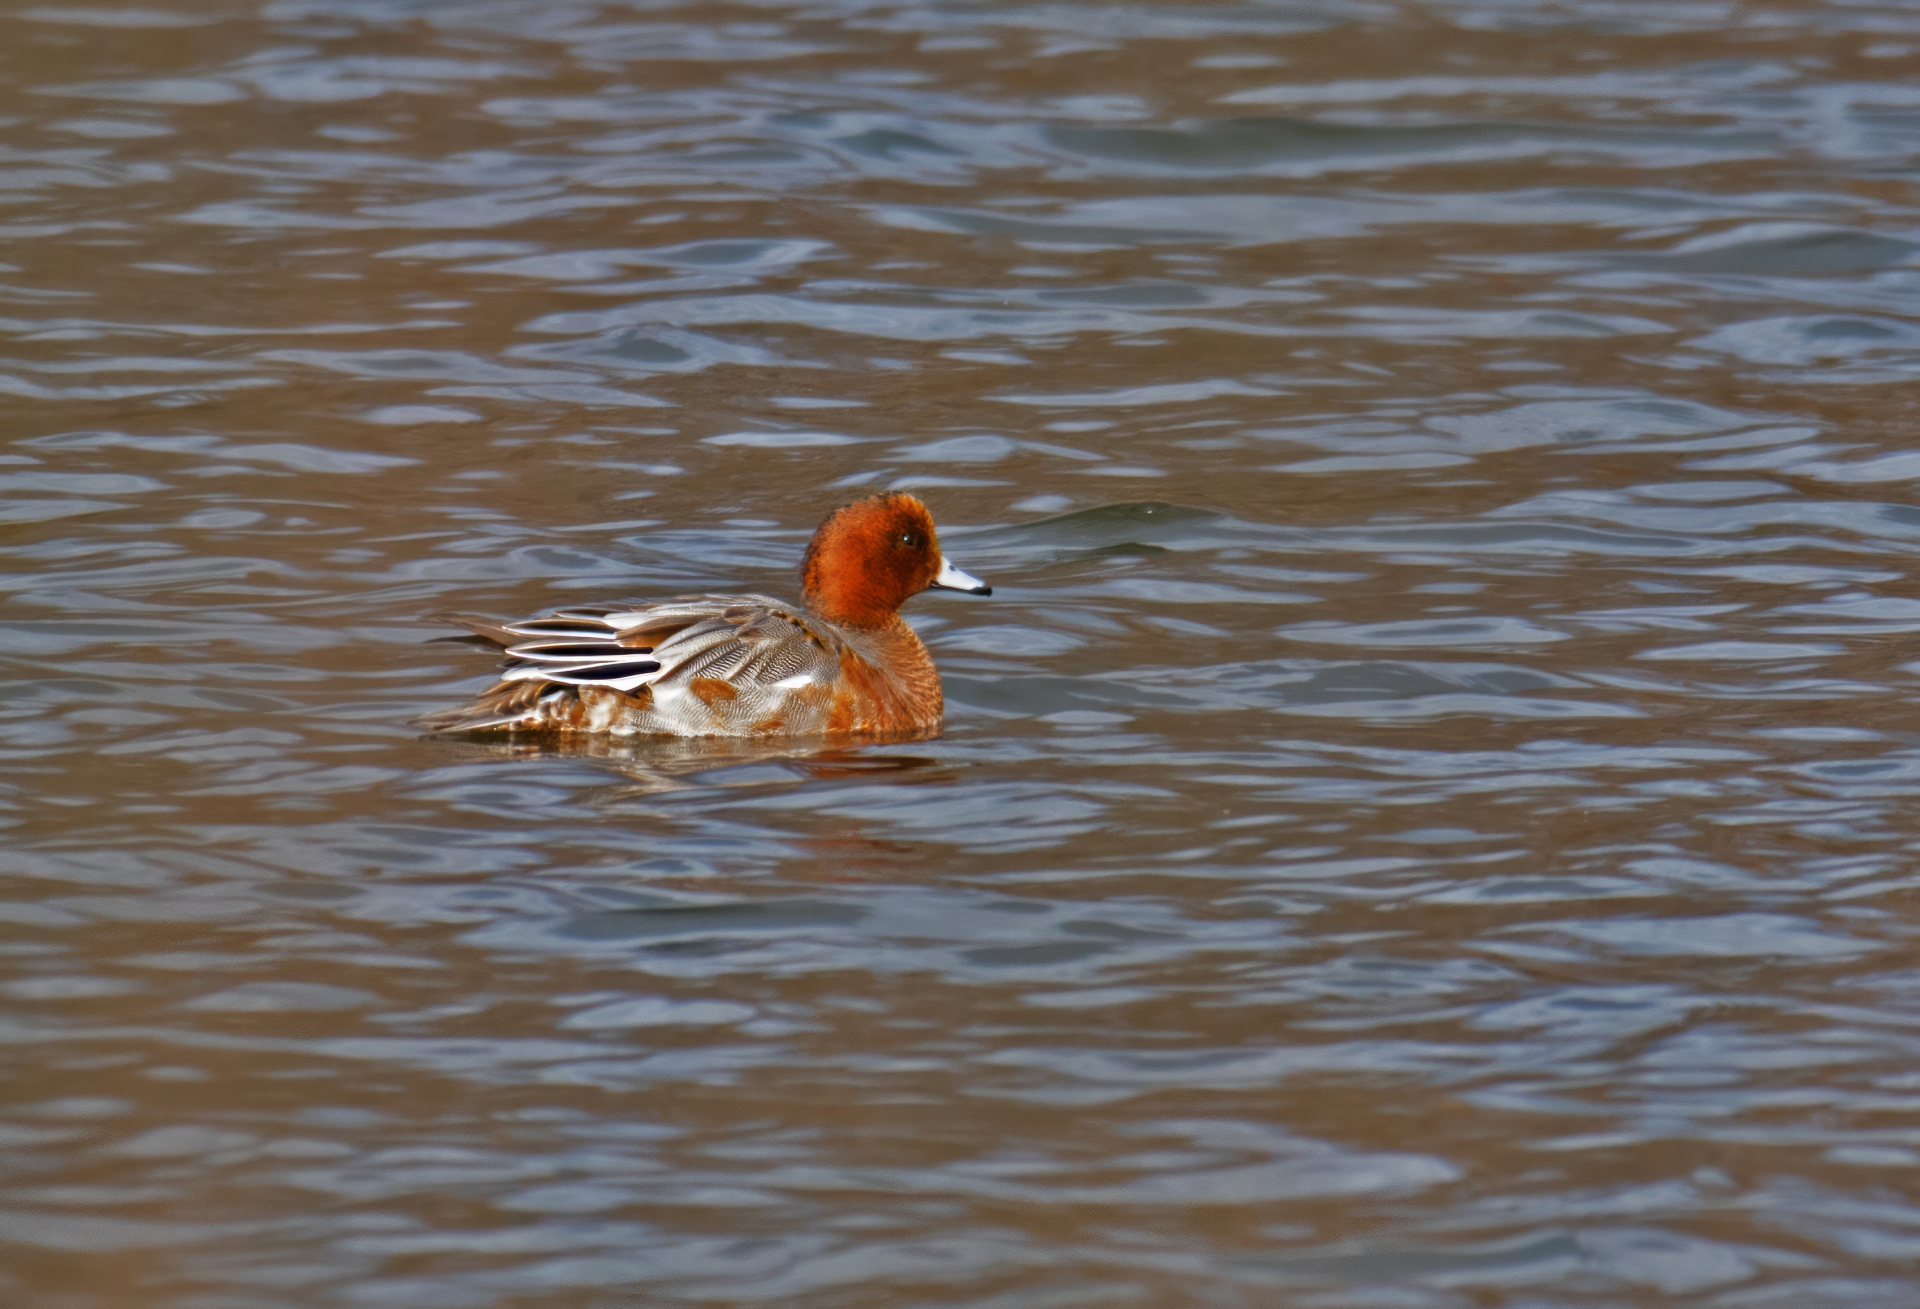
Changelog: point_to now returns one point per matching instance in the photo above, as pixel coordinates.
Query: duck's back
(738, 665)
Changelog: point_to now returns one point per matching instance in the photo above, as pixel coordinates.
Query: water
(1427, 818)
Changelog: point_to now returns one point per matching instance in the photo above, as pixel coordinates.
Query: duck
(840, 664)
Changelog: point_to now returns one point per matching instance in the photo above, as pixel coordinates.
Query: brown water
(1427, 819)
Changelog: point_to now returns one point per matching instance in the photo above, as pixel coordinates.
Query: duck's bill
(950, 578)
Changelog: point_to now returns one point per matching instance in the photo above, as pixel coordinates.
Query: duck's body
(843, 664)
(703, 665)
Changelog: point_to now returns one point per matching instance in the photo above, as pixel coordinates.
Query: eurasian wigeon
(842, 664)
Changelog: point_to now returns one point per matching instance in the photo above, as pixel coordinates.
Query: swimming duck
(843, 663)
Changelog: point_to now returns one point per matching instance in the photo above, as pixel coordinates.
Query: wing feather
(745, 640)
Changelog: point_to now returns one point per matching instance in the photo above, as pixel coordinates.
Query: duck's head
(868, 559)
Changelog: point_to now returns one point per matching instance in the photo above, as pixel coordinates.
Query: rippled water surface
(1428, 817)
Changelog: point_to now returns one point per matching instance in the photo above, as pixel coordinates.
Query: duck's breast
(887, 684)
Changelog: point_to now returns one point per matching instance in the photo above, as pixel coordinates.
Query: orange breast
(868, 699)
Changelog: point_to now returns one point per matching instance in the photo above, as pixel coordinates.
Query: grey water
(1427, 818)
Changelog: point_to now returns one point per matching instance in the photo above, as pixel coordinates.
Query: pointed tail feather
(501, 707)
(480, 625)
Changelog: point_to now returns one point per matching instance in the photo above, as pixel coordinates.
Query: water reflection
(1423, 822)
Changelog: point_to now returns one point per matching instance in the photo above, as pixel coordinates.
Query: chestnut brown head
(866, 560)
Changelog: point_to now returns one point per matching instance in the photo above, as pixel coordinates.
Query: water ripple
(1423, 818)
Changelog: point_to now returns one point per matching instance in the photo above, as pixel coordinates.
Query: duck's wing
(748, 642)
(582, 620)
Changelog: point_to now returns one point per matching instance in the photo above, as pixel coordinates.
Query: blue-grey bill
(950, 578)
